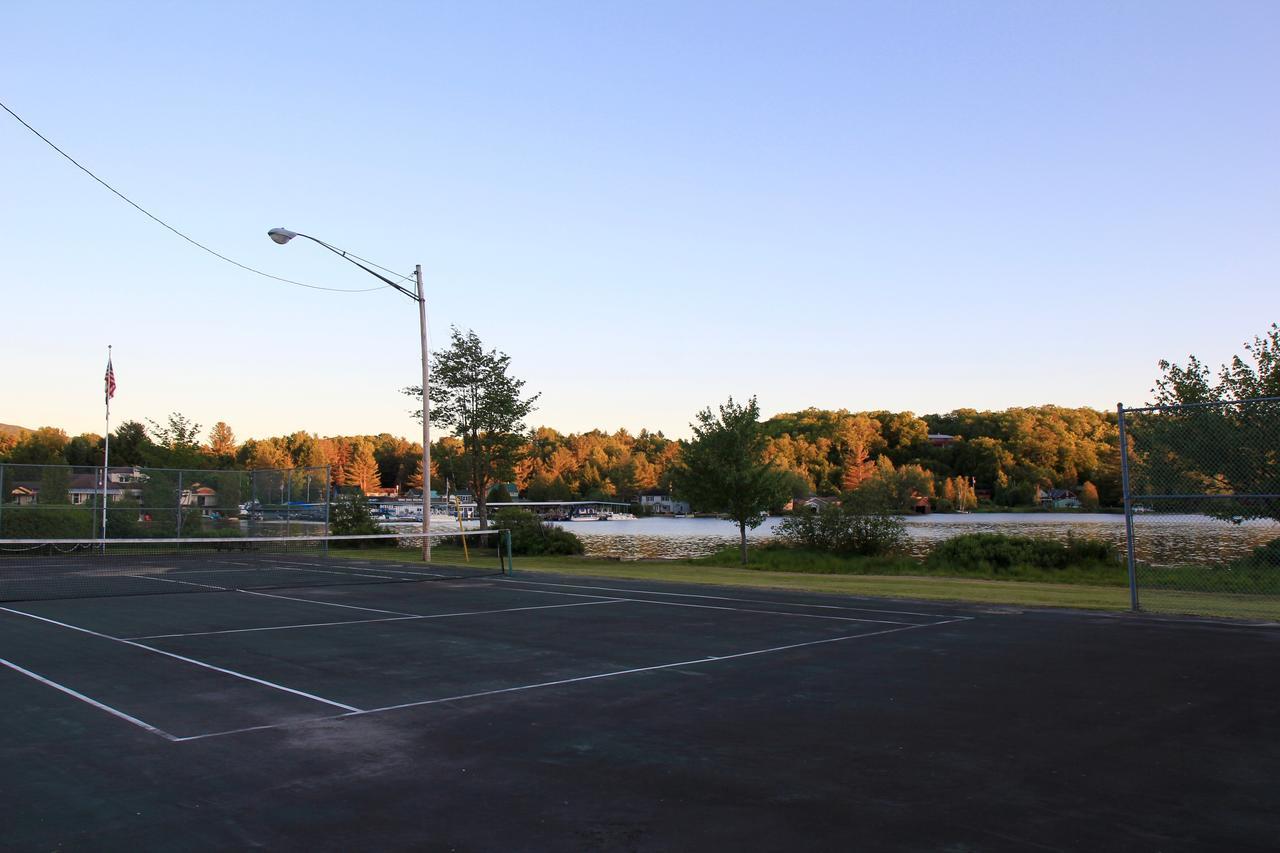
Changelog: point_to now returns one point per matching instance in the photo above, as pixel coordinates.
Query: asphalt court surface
(191, 666)
(539, 712)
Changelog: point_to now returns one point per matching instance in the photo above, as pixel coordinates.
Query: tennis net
(75, 568)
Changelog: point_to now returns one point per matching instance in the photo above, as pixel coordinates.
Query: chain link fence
(66, 502)
(1211, 470)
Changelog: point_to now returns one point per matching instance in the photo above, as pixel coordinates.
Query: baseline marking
(94, 702)
(578, 679)
(193, 661)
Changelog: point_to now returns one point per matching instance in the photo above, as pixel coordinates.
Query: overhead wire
(191, 240)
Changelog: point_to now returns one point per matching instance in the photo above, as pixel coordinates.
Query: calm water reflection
(1159, 539)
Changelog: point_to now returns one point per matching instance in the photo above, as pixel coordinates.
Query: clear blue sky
(650, 206)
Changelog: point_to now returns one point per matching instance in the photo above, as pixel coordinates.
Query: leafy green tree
(475, 396)
(130, 444)
(723, 469)
(1224, 450)
(160, 503)
(55, 485)
(45, 446)
(84, 450)
(176, 443)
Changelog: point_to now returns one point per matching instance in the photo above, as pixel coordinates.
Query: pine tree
(363, 470)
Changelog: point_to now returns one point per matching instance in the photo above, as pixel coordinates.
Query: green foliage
(47, 522)
(1229, 449)
(45, 446)
(55, 485)
(130, 444)
(997, 554)
(532, 536)
(850, 528)
(160, 503)
(724, 470)
(782, 558)
(473, 395)
(350, 516)
(176, 444)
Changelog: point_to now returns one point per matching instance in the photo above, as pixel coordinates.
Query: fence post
(179, 530)
(288, 502)
(508, 551)
(1, 499)
(328, 492)
(1128, 510)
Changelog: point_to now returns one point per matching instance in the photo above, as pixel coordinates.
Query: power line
(190, 240)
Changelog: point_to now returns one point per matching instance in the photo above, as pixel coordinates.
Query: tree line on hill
(1005, 456)
(822, 452)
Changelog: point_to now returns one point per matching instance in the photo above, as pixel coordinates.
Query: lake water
(1159, 539)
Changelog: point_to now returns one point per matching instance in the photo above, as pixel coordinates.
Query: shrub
(47, 521)
(350, 516)
(996, 553)
(853, 528)
(531, 536)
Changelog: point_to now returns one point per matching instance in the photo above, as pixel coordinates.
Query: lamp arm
(347, 257)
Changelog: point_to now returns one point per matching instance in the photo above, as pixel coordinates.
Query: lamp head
(281, 235)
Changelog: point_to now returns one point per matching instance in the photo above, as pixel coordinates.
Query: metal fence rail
(65, 501)
(1205, 468)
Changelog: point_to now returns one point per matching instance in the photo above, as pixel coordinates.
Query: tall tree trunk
(742, 531)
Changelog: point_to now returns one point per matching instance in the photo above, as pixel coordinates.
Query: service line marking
(949, 616)
(384, 619)
(578, 679)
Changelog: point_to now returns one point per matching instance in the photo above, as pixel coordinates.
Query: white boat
(621, 516)
(586, 515)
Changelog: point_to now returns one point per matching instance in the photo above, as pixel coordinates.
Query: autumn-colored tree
(1089, 496)
(269, 455)
(362, 472)
(222, 441)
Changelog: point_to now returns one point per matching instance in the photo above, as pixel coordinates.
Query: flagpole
(106, 448)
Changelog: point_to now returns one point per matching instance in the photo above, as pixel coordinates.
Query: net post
(1128, 510)
(2, 498)
(288, 502)
(328, 494)
(508, 538)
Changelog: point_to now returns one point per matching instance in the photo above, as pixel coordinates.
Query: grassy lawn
(894, 580)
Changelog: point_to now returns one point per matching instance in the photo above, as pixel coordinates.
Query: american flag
(111, 380)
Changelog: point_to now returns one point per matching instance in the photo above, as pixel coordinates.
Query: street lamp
(284, 235)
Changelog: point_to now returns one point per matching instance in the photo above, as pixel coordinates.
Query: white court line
(290, 567)
(199, 663)
(171, 580)
(325, 603)
(611, 599)
(767, 612)
(949, 616)
(578, 679)
(273, 628)
(286, 565)
(94, 702)
(386, 619)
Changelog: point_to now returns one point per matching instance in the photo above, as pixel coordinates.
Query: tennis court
(337, 701)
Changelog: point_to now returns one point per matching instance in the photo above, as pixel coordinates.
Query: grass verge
(881, 577)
